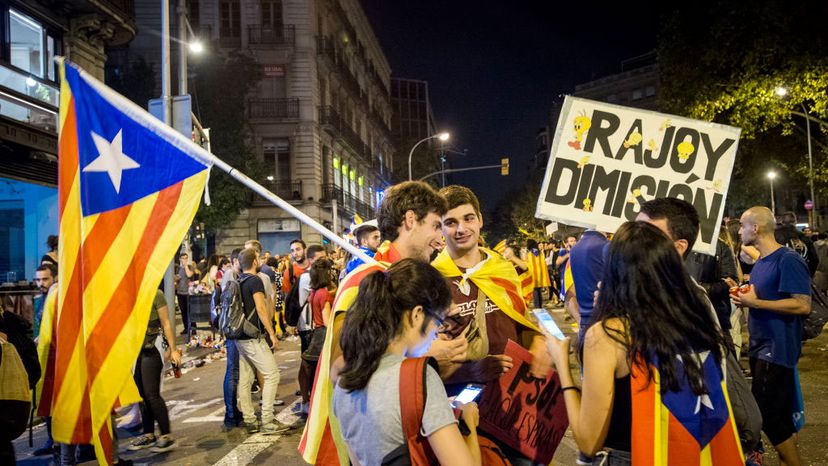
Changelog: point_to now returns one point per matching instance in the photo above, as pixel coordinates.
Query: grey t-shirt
(370, 418)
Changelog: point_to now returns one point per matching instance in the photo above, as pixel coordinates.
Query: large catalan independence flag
(681, 428)
(128, 189)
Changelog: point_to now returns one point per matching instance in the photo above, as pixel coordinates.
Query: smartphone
(548, 323)
(469, 394)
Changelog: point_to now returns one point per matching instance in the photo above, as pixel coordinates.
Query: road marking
(215, 416)
(180, 408)
(247, 450)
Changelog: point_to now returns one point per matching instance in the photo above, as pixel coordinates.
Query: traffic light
(504, 166)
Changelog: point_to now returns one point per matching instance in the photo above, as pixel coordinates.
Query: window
(637, 94)
(31, 47)
(272, 14)
(337, 174)
(194, 14)
(230, 16)
(12, 242)
(649, 91)
(277, 159)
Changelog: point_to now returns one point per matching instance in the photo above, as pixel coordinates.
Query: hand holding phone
(548, 323)
(469, 394)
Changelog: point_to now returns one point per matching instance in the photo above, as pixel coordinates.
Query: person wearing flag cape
(490, 306)
(409, 219)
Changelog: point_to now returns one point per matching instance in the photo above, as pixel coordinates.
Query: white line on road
(215, 416)
(180, 408)
(257, 443)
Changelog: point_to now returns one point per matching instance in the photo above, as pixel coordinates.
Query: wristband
(571, 387)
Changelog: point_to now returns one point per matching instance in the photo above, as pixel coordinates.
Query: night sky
(494, 69)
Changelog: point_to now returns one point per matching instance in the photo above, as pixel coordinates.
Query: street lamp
(196, 47)
(772, 176)
(444, 136)
(782, 92)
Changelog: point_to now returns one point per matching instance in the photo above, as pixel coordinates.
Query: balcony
(230, 39)
(287, 190)
(326, 48)
(346, 201)
(330, 120)
(279, 109)
(272, 35)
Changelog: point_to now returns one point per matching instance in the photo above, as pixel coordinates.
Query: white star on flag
(111, 159)
(704, 399)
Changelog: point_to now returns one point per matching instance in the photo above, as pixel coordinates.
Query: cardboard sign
(526, 413)
(607, 159)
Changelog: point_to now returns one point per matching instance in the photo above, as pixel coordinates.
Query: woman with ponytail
(395, 316)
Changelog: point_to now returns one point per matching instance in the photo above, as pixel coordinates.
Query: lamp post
(441, 136)
(772, 176)
(782, 92)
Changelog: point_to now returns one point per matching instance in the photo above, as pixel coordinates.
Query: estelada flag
(128, 189)
(537, 266)
(680, 427)
(500, 247)
(322, 442)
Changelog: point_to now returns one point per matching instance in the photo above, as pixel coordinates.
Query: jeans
(184, 305)
(232, 415)
(68, 454)
(255, 354)
(612, 458)
(148, 379)
(537, 298)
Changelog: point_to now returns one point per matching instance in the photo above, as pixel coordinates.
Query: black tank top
(619, 434)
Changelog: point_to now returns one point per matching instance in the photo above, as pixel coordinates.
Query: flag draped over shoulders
(498, 281)
(128, 189)
(322, 441)
(682, 428)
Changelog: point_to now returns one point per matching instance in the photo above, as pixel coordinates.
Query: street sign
(809, 204)
(504, 166)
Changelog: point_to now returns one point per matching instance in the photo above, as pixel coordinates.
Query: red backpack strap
(412, 406)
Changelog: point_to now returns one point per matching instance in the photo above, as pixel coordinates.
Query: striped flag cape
(128, 189)
(681, 428)
(498, 281)
(566, 278)
(500, 247)
(527, 284)
(322, 441)
(537, 266)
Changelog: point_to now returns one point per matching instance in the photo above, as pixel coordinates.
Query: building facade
(35, 32)
(413, 121)
(319, 119)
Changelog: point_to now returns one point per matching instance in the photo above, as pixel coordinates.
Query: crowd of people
(654, 319)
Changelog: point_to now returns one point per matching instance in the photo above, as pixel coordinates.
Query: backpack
(417, 451)
(233, 323)
(215, 306)
(815, 321)
(293, 310)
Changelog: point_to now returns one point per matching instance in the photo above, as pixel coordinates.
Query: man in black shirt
(254, 352)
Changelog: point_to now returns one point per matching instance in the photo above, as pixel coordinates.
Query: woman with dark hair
(396, 315)
(653, 335)
(321, 298)
(51, 257)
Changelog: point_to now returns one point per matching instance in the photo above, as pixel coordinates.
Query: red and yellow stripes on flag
(659, 439)
(500, 247)
(537, 266)
(103, 305)
(322, 442)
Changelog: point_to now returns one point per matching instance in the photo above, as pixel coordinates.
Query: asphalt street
(196, 412)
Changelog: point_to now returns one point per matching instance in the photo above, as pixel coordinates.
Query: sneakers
(272, 428)
(144, 441)
(253, 427)
(278, 402)
(164, 443)
(255, 387)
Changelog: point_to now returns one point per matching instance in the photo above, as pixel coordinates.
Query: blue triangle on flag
(123, 156)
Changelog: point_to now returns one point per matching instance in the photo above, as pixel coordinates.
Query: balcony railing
(287, 190)
(330, 119)
(346, 201)
(325, 47)
(229, 39)
(272, 35)
(273, 108)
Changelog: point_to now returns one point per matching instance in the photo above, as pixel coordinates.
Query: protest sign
(607, 159)
(524, 412)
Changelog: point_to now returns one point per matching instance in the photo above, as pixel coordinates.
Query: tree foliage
(220, 86)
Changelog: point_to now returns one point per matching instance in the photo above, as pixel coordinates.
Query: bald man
(779, 299)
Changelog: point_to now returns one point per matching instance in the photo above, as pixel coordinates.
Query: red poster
(526, 413)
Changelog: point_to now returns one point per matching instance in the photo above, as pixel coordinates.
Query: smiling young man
(409, 220)
(470, 271)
